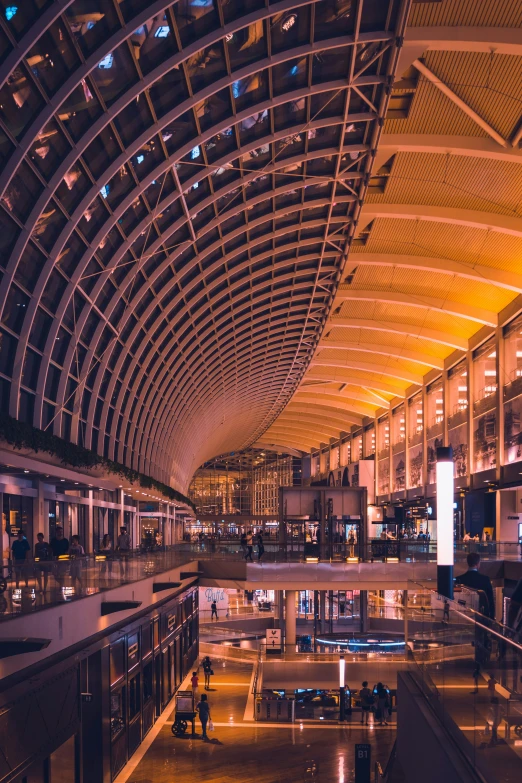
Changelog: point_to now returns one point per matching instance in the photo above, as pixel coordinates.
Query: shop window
(133, 650)
(146, 640)
(134, 696)
(117, 660)
(147, 682)
(117, 712)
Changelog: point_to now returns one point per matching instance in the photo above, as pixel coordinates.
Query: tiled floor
(240, 750)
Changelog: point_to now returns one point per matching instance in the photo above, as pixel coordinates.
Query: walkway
(242, 750)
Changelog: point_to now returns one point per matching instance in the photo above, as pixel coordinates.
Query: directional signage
(363, 763)
(273, 640)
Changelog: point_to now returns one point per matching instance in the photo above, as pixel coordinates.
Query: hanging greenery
(23, 436)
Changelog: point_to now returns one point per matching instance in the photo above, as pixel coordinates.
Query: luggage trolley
(185, 712)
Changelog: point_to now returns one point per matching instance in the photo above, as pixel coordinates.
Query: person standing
(203, 708)
(260, 546)
(243, 544)
(194, 681)
(382, 704)
(60, 547)
(494, 719)
(366, 702)
(76, 552)
(106, 549)
(207, 670)
(20, 547)
(124, 545)
(476, 581)
(213, 611)
(249, 546)
(43, 556)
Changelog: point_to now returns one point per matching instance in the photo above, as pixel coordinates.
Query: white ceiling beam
(347, 403)
(302, 407)
(385, 350)
(499, 40)
(466, 146)
(457, 216)
(434, 79)
(321, 433)
(391, 369)
(445, 338)
(478, 272)
(263, 443)
(469, 312)
(333, 377)
(311, 420)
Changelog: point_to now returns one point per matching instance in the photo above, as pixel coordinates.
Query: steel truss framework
(180, 184)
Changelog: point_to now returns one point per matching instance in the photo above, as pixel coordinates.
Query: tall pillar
(363, 603)
(322, 610)
(278, 608)
(90, 524)
(290, 616)
(41, 519)
(405, 604)
(502, 380)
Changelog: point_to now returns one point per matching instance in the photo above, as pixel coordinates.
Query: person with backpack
(207, 670)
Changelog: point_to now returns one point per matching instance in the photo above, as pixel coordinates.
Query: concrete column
(445, 406)
(405, 604)
(363, 601)
(278, 608)
(290, 616)
(90, 525)
(322, 611)
(471, 395)
(41, 519)
(502, 379)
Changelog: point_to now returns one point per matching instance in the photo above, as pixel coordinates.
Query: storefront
(108, 697)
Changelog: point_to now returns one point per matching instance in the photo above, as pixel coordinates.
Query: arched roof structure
(438, 250)
(179, 185)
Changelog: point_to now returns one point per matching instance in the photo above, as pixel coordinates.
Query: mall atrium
(261, 391)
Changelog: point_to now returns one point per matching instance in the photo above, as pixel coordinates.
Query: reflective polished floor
(240, 750)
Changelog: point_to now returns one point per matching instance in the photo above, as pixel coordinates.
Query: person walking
(249, 546)
(43, 556)
(19, 548)
(207, 670)
(76, 553)
(366, 702)
(203, 709)
(106, 549)
(243, 544)
(194, 681)
(213, 611)
(124, 545)
(260, 546)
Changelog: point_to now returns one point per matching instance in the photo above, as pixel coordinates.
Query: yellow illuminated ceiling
(437, 254)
